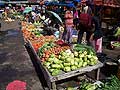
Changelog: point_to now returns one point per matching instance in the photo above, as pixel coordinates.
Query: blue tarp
(60, 4)
(2, 4)
(77, 0)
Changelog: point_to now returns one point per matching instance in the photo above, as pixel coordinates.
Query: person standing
(87, 9)
(96, 37)
(85, 24)
(68, 25)
(76, 19)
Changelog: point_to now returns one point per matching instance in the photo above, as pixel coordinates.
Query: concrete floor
(15, 63)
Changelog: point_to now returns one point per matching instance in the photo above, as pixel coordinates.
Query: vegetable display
(57, 56)
(71, 60)
(112, 84)
(117, 32)
(116, 44)
(87, 86)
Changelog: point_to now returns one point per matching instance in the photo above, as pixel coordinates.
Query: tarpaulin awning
(60, 4)
(51, 13)
(111, 3)
(77, 0)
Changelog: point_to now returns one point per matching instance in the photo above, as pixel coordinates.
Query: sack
(85, 19)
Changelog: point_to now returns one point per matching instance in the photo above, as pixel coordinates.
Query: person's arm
(91, 37)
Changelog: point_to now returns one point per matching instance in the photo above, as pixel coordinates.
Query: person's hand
(91, 37)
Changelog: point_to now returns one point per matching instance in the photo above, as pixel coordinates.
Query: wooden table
(51, 80)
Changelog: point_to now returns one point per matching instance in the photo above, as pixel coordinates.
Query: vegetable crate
(51, 80)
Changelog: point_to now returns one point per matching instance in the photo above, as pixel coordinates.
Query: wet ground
(15, 63)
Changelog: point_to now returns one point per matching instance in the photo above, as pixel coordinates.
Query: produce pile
(116, 44)
(117, 33)
(30, 32)
(50, 48)
(69, 60)
(11, 16)
(112, 84)
(57, 56)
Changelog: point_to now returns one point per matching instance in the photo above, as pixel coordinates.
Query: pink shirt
(68, 19)
(76, 14)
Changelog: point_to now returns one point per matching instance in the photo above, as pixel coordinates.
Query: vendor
(96, 37)
(68, 25)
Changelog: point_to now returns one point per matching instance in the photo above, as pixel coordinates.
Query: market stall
(59, 60)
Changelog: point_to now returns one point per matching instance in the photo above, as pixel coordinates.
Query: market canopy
(77, 0)
(51, 13)
(111, 3)
(60, 4)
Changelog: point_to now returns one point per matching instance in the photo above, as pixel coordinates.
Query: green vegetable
(75, 53)
(76, 59)
(84, 64)
(55, 72)
(52, 55)
(87, 86)
(56, 61)
(80, 64)
(51, 70)
(85, 52)
(81, 55)
(67, 69)
(72, 55)
(56, 66)
(72, 62)
(70, 88)
(73, 67)
(116, 44)
(46, 46)
(118, 32)
(89, 56)
(68, 60)
(76, 63)
(47, 64)
(67, 64)
(113, 84)
(50, 60)
(85, 59)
